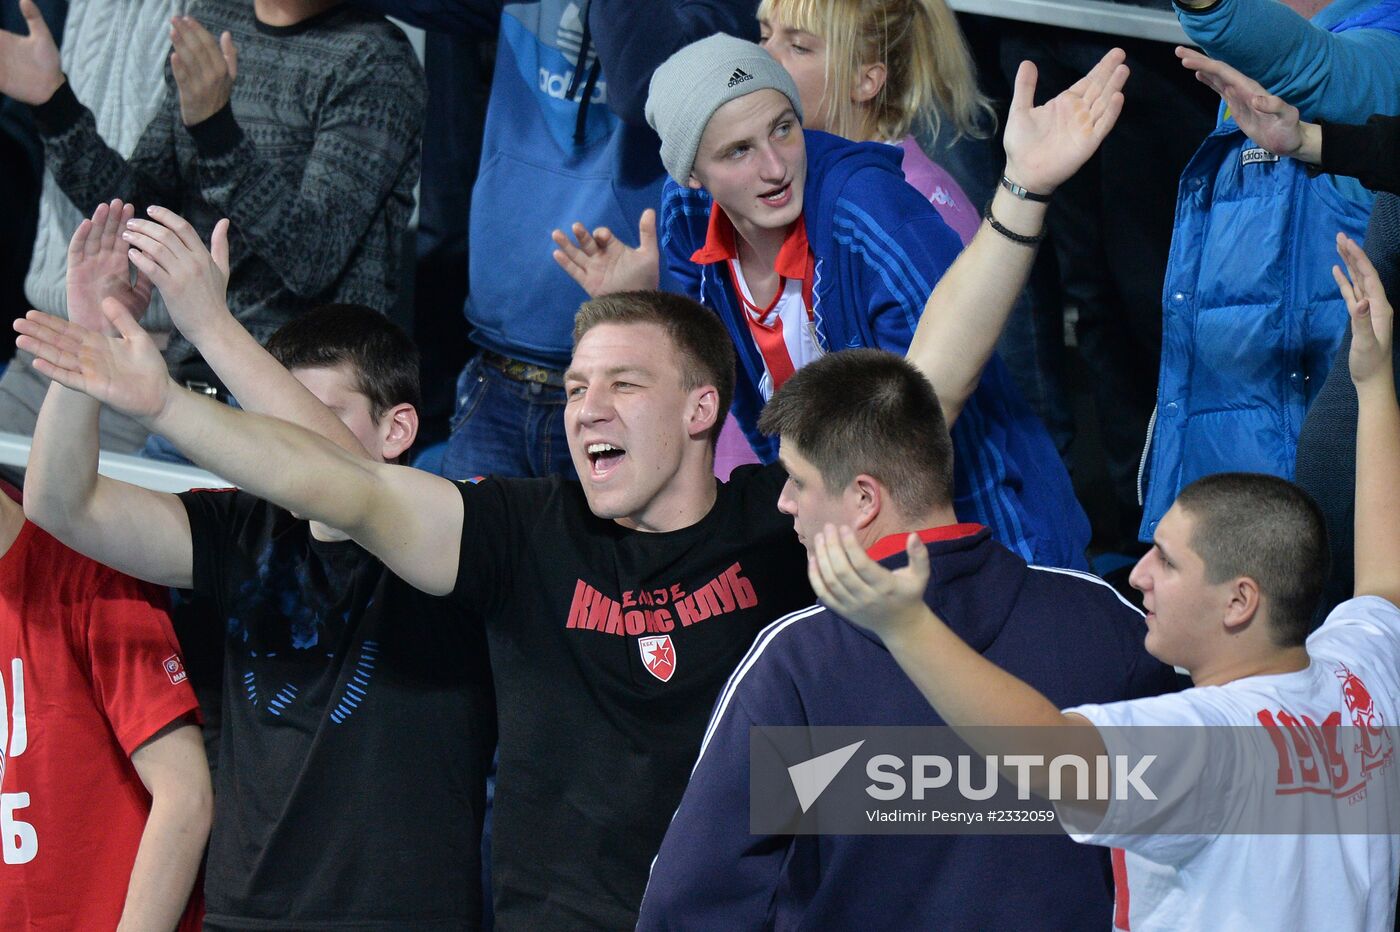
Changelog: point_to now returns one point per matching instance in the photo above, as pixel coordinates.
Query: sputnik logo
(659, 656)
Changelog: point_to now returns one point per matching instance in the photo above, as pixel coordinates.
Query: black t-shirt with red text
(608, 648)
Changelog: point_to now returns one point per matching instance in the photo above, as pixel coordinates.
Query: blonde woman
(869, 70)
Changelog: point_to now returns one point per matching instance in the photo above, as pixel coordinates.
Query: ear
(870, 80)
(704, 410)
(1242, 604)
(399, 427)
(694, 184)
(866, 496)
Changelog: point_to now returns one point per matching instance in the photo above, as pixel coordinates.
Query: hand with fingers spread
(1372, 319)
(603, 264)
(126, 373)
(1046, 145)
(98, 269)
(886, 602)
(1267, 119)
(30, 71)
(204, 69)
(192, 280)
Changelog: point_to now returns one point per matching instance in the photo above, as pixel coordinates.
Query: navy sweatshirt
(1066, 633)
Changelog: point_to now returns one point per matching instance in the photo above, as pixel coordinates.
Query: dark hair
(382, 356)
(701, 342)
(868, 411)
(1266, 528)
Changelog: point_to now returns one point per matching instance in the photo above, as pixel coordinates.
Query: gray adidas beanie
(699, 79)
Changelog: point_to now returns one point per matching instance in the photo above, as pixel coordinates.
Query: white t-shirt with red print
(1320, 740)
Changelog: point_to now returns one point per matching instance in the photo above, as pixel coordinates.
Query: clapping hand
(98, 269)
(192, 280)
(1372, 318)
(29, 66)
(204, 69)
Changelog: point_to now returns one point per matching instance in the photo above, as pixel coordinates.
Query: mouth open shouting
(603, 459)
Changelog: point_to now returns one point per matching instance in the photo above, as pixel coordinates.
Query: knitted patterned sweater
(314, 161)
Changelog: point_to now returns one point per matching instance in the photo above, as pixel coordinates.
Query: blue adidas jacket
(880, 247)
(547, 157)
(1068, 634)
(1251, 316)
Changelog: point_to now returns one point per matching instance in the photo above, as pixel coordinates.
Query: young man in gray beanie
(804, 243)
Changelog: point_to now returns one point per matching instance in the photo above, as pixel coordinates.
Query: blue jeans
(505, 427)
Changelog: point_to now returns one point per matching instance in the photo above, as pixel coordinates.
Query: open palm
(126, 372)
(603, 264)
(1045, 145)
(1372, 317)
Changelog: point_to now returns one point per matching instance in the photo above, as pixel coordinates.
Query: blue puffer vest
(1251, 317)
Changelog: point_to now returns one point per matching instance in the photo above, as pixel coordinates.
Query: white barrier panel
(151, 474)
(1119, 19)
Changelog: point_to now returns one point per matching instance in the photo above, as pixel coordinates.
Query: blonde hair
(928, 67)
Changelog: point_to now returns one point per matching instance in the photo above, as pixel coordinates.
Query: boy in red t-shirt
(104, 788)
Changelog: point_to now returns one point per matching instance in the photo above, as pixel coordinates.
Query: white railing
(151, 474)
(1119, 19)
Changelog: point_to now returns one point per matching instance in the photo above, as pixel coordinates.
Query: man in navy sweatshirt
(884, 468)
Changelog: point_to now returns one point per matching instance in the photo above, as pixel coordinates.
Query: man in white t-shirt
(1234, 573)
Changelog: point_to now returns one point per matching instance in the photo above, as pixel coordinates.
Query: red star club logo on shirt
(659, 656)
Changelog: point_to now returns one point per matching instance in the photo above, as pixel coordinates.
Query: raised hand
(29, 67)
(603, 264)
(204, 69)
(864, 592)
(1045, 145)
(1372, 318)
(1267, 119)
(98, 269)
(125, 373)
(192, 280)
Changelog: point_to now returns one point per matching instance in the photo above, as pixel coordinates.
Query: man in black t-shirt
(614, 606)
(357, 711)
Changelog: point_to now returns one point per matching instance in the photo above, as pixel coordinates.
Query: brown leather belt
(523, 371)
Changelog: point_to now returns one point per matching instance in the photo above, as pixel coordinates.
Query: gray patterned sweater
(314, 161)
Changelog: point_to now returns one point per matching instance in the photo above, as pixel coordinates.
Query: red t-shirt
(89, 670)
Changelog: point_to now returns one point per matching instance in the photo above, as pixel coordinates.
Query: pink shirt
(942, 191)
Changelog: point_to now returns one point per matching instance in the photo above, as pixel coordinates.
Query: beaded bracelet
(1011, 234)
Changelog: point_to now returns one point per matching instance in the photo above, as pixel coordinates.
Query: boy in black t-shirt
(357, 711)
(615, 606)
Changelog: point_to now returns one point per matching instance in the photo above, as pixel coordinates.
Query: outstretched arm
(143, 533)
(409, 519)
(968, 690)
(1377, 425)
(193, 281)
(174, 770)
(1044, 146)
